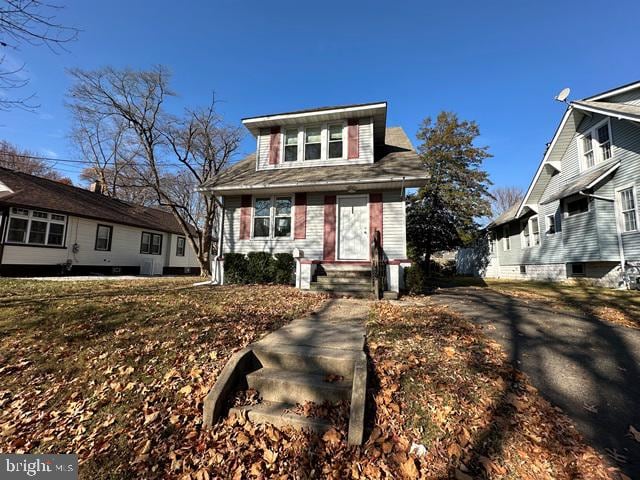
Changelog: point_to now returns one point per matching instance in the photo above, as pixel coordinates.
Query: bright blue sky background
(499, 63)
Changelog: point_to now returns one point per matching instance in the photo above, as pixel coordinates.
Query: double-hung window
(535, 231)
(272, 217)
(530, 232)
(34, 227)
(180, 244)
(551, 224)
(335, 141)
(312, 143)
(628, 209)
(290, 145)
(595, 145)
(151, 243)
(262, 217)
(104, 235)
(506, 233)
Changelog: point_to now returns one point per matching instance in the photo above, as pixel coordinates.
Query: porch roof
(398, 165)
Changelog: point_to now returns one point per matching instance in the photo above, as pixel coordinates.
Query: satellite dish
(563, 95)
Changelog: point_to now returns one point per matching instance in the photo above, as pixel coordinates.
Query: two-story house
(321, 183)
(579, 217)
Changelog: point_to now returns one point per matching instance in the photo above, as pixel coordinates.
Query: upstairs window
(595, 145)
(35, 227)
(180, 244)
(628, 211)
(291, 145)
(313, 143)
(575, 207)
(335, 141)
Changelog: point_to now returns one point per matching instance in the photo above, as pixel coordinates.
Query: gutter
(4, 221)
(311, 184)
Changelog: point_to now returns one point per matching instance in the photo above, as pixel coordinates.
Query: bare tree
(503, 198)
(14, 158)
(175, 154)
(27, 22)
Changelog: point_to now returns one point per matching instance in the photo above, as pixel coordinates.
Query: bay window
(35, 227)
(272, 217)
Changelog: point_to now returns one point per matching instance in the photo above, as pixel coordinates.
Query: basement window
(576, 269)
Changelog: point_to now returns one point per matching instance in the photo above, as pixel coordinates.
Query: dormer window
(290, 145)
(312, 143)
(335, 141)
(595, 145)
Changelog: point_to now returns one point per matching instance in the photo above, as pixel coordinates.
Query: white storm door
(353, 228)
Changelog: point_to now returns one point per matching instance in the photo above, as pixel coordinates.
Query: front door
(353, 227)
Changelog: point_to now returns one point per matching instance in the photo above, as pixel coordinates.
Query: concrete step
(299, 358)
(276, 414)
(348, 273)
(341, 287)
(326, 280)
(282, 386)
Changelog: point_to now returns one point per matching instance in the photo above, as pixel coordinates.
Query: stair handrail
(378, 267)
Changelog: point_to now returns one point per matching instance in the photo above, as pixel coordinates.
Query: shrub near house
(259, 267)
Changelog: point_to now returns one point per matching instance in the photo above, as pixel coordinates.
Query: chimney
(97, 187)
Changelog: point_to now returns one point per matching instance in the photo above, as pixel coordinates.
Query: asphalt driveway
(587, 367)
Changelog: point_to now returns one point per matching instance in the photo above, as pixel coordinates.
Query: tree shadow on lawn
(586, 366)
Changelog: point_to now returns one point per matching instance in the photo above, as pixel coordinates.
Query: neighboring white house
(321, 182)
(50, 228)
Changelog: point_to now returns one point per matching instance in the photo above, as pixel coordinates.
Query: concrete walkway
(587, 367)
(339, 325)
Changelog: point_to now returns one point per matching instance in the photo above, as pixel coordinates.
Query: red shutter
(245, 217)
(300, 227)
(353, 139)
(375, 215)
(274, 146)
(329, 247)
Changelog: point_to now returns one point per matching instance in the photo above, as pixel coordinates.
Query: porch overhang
(346, 185)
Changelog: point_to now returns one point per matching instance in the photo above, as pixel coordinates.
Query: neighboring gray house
(579, 217)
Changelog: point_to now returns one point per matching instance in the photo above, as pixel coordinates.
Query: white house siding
(188, 260)
(125, 248)
(365, 148)
(312, 246)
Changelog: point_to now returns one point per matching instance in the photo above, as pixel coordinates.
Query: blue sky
(499, 63)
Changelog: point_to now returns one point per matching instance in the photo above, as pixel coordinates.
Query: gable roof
(398, 163)
(570, 120)
(29, 191)
(505, 217)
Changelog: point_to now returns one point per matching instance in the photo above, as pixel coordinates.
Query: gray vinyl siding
(629, 98)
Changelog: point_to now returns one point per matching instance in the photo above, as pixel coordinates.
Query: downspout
(4, 220)
(216, 269)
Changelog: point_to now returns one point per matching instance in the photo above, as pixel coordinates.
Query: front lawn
(617, 306)
(117, 371)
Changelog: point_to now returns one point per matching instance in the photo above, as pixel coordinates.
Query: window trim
(109, 242)
(184, 245)
(595, 145)
(528, 223)
(152, 234)
(618, 207)
(272, 217)
(29, 217)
